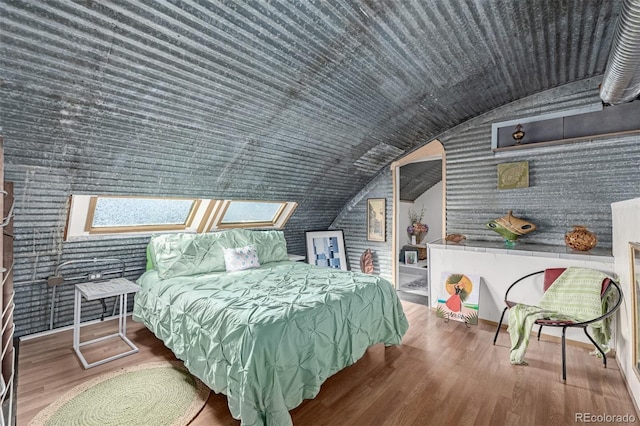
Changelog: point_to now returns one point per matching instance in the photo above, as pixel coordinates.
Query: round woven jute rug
(159, 393)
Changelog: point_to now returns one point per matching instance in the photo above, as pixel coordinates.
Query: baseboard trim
(548, 337)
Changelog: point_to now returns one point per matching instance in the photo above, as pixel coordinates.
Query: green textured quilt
(269, 337)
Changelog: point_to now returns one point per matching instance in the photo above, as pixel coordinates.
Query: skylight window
(113, 215)
(118, 212)
(121, 214)
(251, 212)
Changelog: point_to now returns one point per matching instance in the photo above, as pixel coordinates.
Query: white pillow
(238, 259)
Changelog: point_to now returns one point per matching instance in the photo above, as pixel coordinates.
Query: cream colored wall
(626, 228)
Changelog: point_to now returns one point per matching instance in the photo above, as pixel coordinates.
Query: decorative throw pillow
(238, 259)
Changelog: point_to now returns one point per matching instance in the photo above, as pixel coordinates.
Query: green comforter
(269, 337)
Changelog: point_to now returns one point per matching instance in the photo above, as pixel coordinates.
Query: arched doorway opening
(419, 182)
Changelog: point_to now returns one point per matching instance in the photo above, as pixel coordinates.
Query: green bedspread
(269, 337)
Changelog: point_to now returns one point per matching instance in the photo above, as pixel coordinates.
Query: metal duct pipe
(621, 81)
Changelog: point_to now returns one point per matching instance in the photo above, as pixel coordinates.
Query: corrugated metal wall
(298, 100)
(353, 221)
(572, 184)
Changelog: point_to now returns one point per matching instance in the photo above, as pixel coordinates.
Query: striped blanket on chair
(574, 296)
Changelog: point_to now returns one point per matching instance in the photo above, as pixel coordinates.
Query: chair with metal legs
(550, 275)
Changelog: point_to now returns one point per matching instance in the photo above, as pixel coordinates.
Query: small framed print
(376, 219)
(410, 257)
(513, 175)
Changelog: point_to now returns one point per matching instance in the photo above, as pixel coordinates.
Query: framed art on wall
(513, 175)
(376, 219)
(326, 248)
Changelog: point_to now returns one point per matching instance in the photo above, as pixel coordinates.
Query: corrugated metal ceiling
(295, 100)
(247, 85)
(417, 178)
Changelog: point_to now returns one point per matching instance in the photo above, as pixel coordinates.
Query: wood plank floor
(443, 373)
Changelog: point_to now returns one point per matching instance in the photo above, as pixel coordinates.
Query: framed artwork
(411, 257)
(513, 175)
(376, 219)
(326, 248)
(458, 297)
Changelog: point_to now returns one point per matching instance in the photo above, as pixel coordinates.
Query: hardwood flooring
(442, 374)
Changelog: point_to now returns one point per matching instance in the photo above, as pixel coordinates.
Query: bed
(269, 336)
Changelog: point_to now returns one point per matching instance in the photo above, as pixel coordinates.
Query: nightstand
(99, 290)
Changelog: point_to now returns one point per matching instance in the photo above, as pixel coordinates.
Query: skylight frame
(93, 202)
(219, 222)
(205, 215)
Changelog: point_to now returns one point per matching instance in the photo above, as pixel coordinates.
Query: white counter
(499, 266)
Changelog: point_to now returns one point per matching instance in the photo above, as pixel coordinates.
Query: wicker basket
(580, 238)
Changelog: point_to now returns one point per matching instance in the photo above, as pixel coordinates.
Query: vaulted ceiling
(297, 100)
(417, 178)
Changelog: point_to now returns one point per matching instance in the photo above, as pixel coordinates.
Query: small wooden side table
(98, 290)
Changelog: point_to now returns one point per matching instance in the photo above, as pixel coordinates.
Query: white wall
(626, 228)
(499, 268)
(432, 202)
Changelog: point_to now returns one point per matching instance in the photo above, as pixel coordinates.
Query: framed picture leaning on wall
(326, 248)
(376, 219)
(410, 257)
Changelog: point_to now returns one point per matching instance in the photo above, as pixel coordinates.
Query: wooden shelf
(564, 141)
(422, 264)
(570, 126)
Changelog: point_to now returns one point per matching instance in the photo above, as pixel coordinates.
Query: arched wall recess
(434, 150)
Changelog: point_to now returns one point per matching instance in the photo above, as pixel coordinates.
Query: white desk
(98, 290)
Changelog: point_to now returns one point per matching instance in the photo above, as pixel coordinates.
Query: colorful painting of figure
(458, 297)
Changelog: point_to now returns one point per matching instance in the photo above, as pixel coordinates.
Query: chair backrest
(552, 274)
